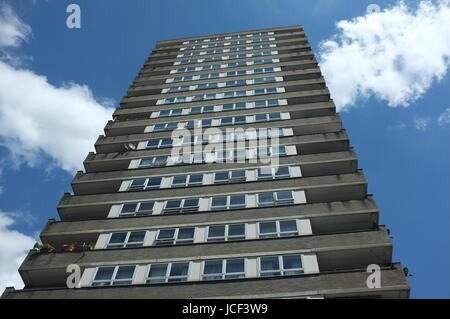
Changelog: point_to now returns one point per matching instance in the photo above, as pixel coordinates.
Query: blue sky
(403, 150)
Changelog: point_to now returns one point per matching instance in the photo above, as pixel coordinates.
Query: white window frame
(228, 204)
(126, 241)
(175, 240)
(281, 268)
(136, 211)
(278, 233)
(223, 274)
(167, 278)
(181, 207)
(113, 277)
(226, 236)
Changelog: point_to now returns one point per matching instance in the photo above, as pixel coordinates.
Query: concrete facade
(333, 234)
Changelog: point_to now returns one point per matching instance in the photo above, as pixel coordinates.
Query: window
(223, 269)
(126, 239)
(284, 228)
(229, 177)
(138, 184)
(273, 173)
(145, 183)
(187, 180)
(281, 265)
(272, 151)
(181, 206)
(161, 143)
(118, 275)
(226, 233)
(169, 272)
(153, 161)
(275, 199)
(176, 236)
(137, 209)
(228, 202)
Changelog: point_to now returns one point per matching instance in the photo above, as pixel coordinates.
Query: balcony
(325, 218)
(317, 189)
(311, 165)
(338, 252)
(328, 285)
(306, 144)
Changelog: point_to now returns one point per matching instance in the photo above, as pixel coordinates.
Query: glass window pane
(136, 236)
(190, 203)
(152, 144)
(221, 177)
(158, 270)
(186, 233)
(284, 195)
(270, 263)
(179, 269)
(238, 174)
(213, 267)
(282, 171)
(260, 117)
(219, 201)
(237, 200)
(235, 265)
(166, 234)
(104, 273)
(216, 231)
(236, 230)
(147, 206)
(179, 179)
(154, 182)
(267, 227)
(129, 208)
(265, 199)
(118, 238)
(196, 179)
(292, 262)
(288, 226)
(166, 142)
(125, 272)
(173, 204)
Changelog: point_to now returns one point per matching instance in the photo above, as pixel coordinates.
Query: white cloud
(38, 118)
(422, 123)
(13, 30)
(14, 246)
(444, 118)
(394, 55)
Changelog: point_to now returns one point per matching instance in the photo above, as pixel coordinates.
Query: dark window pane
(136, 236)
(288, 226)
(186, 233)
(129, 208)
(104, 273)
(216, 231)
(158, 270)
(179, 269)
(234, 230)
(270, 263)
(235, 265)
(166, 233)
(292, 262)
(147, 206)
(118, 238)
(125, 272)
(213, 267)
(268, 227)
